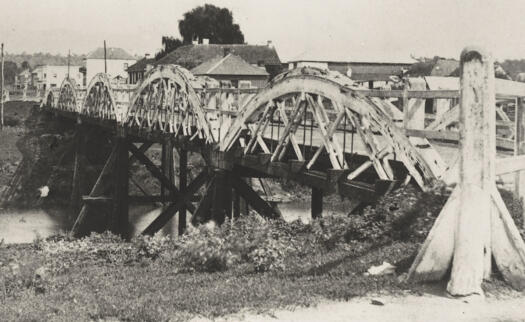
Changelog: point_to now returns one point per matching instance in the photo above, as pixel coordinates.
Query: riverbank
(102, 279)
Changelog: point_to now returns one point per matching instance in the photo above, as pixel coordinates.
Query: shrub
(268, 256)
(151, 247)
(204, 250)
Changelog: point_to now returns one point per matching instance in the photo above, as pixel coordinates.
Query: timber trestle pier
(310, 126)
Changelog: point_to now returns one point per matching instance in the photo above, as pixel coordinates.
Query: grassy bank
(250, 264)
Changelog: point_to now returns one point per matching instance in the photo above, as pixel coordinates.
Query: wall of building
(48, 76)
(116, 67)
(321, 65)
(256, 81)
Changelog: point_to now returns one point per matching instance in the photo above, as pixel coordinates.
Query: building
(190, 56)
(233, 71)
(447, 67)
(117, 61)
(49, 76)
(373, 74)
(369, 70)
(136, 71)
(23, 78)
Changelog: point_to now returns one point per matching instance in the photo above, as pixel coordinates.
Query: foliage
(25, 65)
(170, 44)
(250, 263)
(36, 59)
(210, 22)
(206, 21)
(252, 243)
(513, 67)
(10, 71)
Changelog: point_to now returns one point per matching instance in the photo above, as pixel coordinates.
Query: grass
(154, 291)
(152, 280)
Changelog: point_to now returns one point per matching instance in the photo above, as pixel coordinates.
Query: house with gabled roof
(136, 71)
(116, 59)
(190, 56)
(233, 71)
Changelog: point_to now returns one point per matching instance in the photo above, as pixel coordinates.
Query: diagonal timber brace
(170, 211)
(157, 173)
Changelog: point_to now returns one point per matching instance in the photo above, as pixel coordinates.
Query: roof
(190, 56)
(369, 71)
(111, 53)
(322, 55)
(444, 67)
(434, 67)
(228, 65)
(141, 64)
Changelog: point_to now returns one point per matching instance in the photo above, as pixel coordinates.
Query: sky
(359, 30)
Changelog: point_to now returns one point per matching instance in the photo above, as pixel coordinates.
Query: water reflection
(23, 226)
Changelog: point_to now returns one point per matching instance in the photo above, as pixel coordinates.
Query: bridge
(308, 125)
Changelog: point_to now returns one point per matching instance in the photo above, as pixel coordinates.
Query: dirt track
(398, 308)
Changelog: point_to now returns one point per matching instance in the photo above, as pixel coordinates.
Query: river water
(23, 226)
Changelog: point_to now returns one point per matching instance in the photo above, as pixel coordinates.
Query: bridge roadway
(308, 125)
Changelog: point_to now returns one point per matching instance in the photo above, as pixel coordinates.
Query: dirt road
(402, 308)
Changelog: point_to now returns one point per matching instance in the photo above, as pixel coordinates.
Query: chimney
(205, 41)
(269, 43)
(226, 51)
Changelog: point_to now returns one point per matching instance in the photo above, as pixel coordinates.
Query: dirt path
(400, 308)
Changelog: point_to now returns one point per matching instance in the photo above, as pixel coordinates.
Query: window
(55, 75)
(245, 84)
(45, 75)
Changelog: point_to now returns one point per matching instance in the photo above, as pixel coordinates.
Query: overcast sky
(388, 30)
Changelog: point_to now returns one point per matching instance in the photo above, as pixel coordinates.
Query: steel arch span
(324, 103)
(50, 98)
(166, 101)
(100, 100)
(69, 97)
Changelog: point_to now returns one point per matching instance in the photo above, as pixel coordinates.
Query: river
(24, 226)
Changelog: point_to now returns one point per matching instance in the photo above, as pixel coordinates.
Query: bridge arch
(166, 101)
(323, 102)
(68, 99)
(100, 99)
(50, 98)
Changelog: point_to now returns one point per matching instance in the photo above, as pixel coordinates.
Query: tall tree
(10, 72)
(25, 65)
(169, 43)
(210, 22)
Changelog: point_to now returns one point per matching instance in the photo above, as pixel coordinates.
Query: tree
(206, 21)
(210, 22)
(25, 65)
(10, 72)
(170, 44)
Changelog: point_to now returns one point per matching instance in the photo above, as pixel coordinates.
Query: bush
(151, 247)
(204, 250)
(248, 242)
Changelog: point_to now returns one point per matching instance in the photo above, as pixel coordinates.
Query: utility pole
(2, 92)
(68, 58)
(105, 63)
